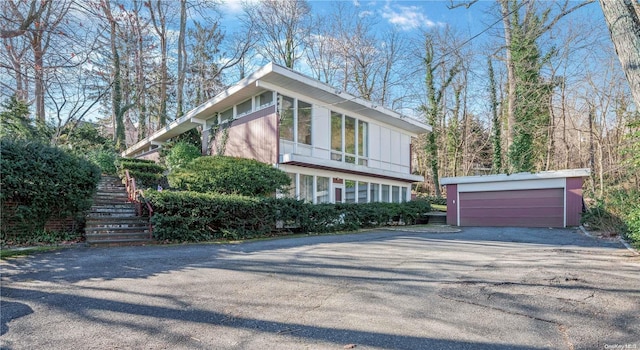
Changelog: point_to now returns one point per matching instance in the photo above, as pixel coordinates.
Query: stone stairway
(112, 219)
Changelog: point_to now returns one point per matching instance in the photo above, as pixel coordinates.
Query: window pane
(374, 192)
(362, 192)
(350, 159)
(385, 193)
(404, 194)
(304, 122)
(336, 132)
(292, 186)
(226, 115)
(265, 98)
(350, 191)
(395, 194)
(349, 135)
(322, 189)
(243, 108)
(306, 188)
(363, 139)
(286, 118)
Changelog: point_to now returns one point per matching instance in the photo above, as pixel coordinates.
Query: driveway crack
(562, 329)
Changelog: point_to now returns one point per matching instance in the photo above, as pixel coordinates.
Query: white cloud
(407, 17)
(363, 14)
(234, 7)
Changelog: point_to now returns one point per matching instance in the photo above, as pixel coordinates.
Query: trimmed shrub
(181, 154)
(41, 182)
(229, 175)
(192, 216)
(147, 173)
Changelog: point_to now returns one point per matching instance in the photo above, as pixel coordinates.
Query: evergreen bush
(181, 154)
(41, 182)
(147, 173)
(192, 216)
(229, 175)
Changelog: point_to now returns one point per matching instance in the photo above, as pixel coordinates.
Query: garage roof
(584, 172)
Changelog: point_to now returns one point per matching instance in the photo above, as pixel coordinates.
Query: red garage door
(527, 208)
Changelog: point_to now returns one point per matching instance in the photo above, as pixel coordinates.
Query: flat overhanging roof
(584, 172)
(275, 77)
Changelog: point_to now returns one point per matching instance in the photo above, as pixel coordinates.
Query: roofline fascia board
(583, 172)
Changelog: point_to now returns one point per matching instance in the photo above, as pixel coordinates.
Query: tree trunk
(623, 20)
(496, 138)
(511, 74)
(182, 57)
(38, 74)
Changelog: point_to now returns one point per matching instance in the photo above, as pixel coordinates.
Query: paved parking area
(482, 288)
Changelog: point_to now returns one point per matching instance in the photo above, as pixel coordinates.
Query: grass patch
(439, 207)
(13, 253)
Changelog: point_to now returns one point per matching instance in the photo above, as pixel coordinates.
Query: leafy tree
(181, 153)
(14, 120)
(433, 106)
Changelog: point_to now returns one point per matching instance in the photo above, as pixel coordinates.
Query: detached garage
(546, 199)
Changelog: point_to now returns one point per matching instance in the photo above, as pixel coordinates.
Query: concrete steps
(112, 219)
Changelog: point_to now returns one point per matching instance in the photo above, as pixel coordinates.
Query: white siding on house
(395, 149)
(405, 150)
(374, 145)
(385, 148)
(321, 129)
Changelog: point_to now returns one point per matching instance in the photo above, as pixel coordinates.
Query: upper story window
(264, 99)
(226, 115)
(243, 108)
(349, 139)
(295, 120)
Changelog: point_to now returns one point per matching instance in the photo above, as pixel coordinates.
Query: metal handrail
(134, 196)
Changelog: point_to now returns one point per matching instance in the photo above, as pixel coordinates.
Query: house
(334, 146)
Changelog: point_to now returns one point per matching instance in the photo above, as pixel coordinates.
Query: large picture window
(295, 120)
(306, 188)
(349, 139)
(322, 190)
(304, 122)
(350, 191)
(286, 118)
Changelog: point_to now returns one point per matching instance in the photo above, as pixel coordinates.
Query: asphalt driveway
(482, 288)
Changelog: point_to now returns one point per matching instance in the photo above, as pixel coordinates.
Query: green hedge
(39, 183)
(192, 216)
(229, 175)
(147, 173)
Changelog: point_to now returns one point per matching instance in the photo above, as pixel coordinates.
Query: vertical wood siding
(452, 205)
(254, 136)
(574, 201)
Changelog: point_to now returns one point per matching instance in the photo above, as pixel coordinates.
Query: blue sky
(406, 15)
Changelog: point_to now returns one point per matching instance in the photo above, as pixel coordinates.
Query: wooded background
(540, 88)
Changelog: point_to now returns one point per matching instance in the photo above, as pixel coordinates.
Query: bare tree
(182, 57)
(15, 22)
(623, 20)
(158, 12)
(282, 26)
